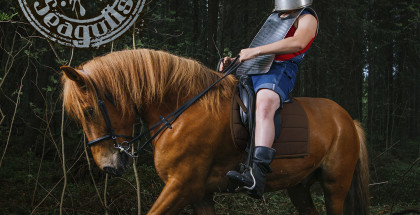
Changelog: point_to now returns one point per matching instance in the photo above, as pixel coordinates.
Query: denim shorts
(280, 78)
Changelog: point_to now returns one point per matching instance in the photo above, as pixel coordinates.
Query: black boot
(254, 180)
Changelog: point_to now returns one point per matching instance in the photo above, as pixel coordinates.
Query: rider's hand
(225, 63)
(248, 54)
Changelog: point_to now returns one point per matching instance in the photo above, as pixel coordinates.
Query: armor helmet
(285, 5)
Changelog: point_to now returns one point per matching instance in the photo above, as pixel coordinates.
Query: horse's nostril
(109, 170)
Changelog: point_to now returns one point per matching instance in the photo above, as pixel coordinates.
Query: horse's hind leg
(301, 199)
(205, 206)
(336, 176)
(335, 192)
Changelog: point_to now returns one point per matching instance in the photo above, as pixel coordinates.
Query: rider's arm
(306, 30)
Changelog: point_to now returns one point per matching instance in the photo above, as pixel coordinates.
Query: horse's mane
(145, 77)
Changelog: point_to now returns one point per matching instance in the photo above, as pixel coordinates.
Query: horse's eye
(88, 112)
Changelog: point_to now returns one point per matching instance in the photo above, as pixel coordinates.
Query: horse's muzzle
(123, 161)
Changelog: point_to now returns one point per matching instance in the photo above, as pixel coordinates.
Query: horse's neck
(152, 112)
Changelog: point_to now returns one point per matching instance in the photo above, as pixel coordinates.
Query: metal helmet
(285, 5)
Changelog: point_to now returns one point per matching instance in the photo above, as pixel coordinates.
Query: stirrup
(239, 189)
(253, 179)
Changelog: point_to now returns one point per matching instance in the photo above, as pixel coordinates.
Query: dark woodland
(366, 58)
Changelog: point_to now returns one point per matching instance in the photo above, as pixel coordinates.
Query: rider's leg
(267, 103)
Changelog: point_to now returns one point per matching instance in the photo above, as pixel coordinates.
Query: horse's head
(82, 100)
(130, 82)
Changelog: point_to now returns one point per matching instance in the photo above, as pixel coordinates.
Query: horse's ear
(73, 75)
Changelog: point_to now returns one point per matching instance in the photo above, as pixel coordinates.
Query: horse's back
(323, 109)
(329, 125)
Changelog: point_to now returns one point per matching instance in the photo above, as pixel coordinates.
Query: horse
(194, 155)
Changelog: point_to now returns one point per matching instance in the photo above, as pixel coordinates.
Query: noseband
(165, 122)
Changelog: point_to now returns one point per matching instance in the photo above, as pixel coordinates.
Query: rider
(273, 87)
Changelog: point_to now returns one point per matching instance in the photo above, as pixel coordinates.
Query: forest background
(366, 57)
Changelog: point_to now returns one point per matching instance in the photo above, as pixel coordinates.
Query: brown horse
(194, 157)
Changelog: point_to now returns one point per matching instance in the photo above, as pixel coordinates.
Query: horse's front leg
(204, 206)
(184, 172)
(185, 160)
(171, 200)
(183, 189)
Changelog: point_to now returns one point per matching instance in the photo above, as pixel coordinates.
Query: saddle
(291, 141)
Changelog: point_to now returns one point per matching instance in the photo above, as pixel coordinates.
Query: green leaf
(4, 16)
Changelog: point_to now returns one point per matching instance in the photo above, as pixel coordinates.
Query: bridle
(165, 122)
(123, 146)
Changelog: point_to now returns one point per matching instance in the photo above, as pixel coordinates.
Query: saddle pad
(293, 140)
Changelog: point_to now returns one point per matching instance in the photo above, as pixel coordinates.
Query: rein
(165, 122)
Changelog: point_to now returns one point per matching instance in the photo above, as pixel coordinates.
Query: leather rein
(165, 122)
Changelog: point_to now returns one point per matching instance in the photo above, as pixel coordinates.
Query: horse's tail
(357, 200)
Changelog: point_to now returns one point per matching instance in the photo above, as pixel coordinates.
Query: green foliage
(227, 52)
(4, 16)
(397, 171)
(62, 61)
(35, 109)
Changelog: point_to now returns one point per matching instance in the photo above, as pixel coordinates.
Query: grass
(19, 171)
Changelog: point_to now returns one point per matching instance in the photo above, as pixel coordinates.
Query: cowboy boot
(254, 179)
